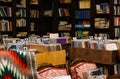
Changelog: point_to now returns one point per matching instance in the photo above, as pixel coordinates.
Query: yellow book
(67, 1)
(83, 4)
(40, 48)
(10, 26)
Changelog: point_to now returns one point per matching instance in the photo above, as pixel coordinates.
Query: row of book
(102, 23)
(35, 39)
(20, 12)
(64, 25)
(81, 34)
(84, 4)
(83, 24)
(5, 11)
(32, 26)
(116, 10)
(21, 34)
(116, 1)
(63, 12)
(99, 44)
(117, 32)
(42, 47)
(102, 8)
(80, 43)
(46, 47)
(65, 1)
(116, 21)
(5, 25)
(82, 14)
(6, 0)
(21, 3)
(102, 35)
(40, 44)
(21, 22)
(65, 34)
(34, 2)
(48, 13)
(34, 13)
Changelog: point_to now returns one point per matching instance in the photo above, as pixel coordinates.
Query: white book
(110, 46)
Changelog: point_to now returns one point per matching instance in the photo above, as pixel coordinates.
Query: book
(84, 4)
(67, 13)
(102, 8)
(101, 23)
(110, 46)
(21, 22)
(65, 1)
(5, 25)
(34, 2)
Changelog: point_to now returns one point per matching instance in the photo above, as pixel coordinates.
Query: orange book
(83, 22)
(10, 26)
(118, 21)
(66, 11)
(62, 1)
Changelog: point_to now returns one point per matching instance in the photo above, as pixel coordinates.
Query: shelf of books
(102, 18)
(117, 18)
(34, 2)
(6, 17)
(82, 18)
(21, 18)
(65, 18)
(45, 23)
(34, 15)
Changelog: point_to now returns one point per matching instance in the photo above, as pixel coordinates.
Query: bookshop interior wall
(59, 39)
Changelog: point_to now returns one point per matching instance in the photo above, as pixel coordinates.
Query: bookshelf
(28, 17)
(47, 8)
(67, 17)
(21, 18)
(6, 21)
(102, 18)
(34, 14)
(116, 18)
(63, 18)
(82, 17)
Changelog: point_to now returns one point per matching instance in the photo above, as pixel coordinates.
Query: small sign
(110, 46)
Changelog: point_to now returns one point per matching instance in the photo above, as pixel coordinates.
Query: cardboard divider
(54, 58)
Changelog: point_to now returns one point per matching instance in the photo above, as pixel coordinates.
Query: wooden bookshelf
(63, 17)
(67, 17)
(34, 12)
(21, 18)
(6, 21)
(47, 8)
(82, 16)
(102, 18)
(116, 18)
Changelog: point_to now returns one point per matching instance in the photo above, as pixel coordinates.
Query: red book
(118, 21)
